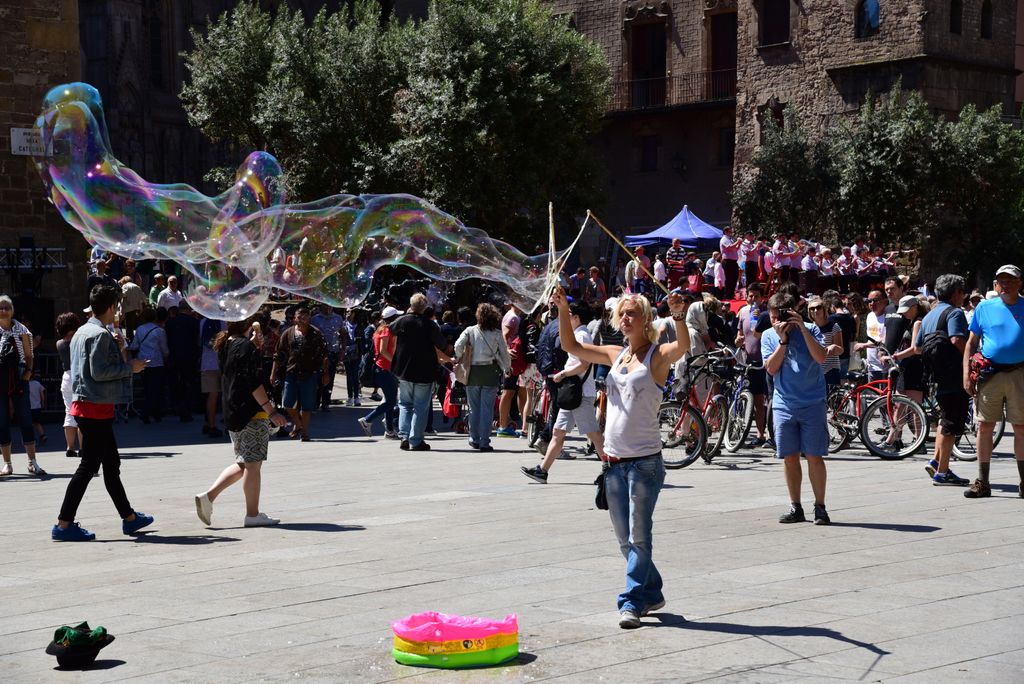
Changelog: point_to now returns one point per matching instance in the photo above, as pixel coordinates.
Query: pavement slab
(912, 583)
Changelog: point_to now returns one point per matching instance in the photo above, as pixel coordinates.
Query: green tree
(317, 96)
(792, 183)
(487, 108)
(502, 104)
(892, 164)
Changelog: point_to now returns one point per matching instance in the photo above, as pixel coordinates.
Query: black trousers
(732, 276)
(752, 272)
(98, 448)
(154, 385)
(182, 378)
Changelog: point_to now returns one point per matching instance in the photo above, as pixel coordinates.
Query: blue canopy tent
(691, 230)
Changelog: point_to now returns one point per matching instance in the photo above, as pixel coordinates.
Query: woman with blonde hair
(16, 363)
(635, 469)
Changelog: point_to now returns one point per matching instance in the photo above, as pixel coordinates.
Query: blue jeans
(414, 400)
(633, 486)
(387, 383)
(481, 413)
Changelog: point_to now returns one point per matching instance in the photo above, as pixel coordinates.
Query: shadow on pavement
(894, 527)
(319, 527)
(679, 622)
(150, 454)
(104, 664)
(183, 540)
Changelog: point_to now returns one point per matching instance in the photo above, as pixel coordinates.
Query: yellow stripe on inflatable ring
(464, 646)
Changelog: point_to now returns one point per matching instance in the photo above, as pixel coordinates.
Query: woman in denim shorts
(248, 415)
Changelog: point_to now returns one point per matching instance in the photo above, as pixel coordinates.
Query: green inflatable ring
(494, 656)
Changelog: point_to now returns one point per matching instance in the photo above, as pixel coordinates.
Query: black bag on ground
(570, 391)
(601, 498)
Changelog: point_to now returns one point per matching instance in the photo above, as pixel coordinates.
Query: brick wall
(39, 48)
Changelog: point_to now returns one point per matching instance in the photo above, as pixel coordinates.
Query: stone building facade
(822, 57)
(694, 80)
(41, 257)
(669, 134)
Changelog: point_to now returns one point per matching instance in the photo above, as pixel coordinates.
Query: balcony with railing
(672, 91)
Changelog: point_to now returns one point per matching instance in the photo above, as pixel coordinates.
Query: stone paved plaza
(911, 583)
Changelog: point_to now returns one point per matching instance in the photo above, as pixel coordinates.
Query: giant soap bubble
(246, 241)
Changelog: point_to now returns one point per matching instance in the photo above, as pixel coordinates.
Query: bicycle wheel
(966, 447)
(741, 416)
(841, 420)
(716, 418)
(893, 427)
(683, 434)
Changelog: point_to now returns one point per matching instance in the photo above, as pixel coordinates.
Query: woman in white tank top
(632, 440)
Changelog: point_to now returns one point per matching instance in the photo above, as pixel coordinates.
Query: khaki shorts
(1006, 387)
(209, 381)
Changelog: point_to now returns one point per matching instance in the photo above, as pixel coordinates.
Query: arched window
(986, 19)
(866, 18)
(956, 16)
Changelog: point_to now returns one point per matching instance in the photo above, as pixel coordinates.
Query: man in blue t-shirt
(954, 404)
(998, 329)
(793, 352)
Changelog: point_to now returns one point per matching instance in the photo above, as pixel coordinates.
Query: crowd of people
(743, 261)
(603, 357)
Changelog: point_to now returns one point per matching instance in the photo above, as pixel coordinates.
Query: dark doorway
(722, 81)
(648, 49)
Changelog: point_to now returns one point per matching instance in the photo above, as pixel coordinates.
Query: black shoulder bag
(570, 391)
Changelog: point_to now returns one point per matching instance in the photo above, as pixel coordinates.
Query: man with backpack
(941, 341)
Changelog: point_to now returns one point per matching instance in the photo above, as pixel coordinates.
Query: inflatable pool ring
(454, 641)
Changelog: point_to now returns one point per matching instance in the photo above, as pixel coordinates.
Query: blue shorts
(301, 390)
(800, 431)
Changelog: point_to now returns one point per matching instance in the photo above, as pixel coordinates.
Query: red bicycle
(891, 425)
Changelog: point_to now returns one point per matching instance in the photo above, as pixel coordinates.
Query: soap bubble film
(243, 243)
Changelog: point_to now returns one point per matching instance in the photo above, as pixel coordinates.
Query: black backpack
(941, 357)
(9, 357)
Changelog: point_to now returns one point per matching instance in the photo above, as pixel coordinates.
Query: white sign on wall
(26, 142)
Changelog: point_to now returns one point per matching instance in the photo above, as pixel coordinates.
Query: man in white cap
(997, 329)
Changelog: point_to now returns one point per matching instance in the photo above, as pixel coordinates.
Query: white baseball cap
(1008, 269)
(390, 312)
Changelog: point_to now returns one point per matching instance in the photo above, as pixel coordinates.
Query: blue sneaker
(133, 526)
(73, 532)
(931, 468)
(949, 479)
(506, 432)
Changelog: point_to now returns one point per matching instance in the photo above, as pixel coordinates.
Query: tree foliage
(794, 183)
(899, 174)
(319, 96)
(486, 108)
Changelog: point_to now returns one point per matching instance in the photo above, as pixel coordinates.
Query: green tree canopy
(486, 108)
(899, 174)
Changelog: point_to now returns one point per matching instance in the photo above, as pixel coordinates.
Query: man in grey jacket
(100, 370)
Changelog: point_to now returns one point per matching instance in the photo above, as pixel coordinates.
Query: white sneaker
(367, 428)
(6, 470)
(204, 508)
(260, 520)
